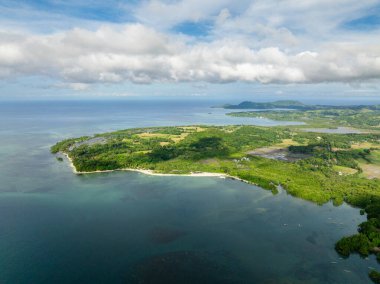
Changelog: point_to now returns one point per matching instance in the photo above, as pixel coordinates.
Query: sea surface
(127, 227)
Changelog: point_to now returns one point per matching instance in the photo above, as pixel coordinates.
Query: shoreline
(153, 173)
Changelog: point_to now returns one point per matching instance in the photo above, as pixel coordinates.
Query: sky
(189, 48)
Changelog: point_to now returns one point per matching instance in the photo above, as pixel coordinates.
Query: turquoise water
(121, 227)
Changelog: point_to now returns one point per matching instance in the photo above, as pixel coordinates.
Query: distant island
(292, 104)
(315, 166)
(286, 104)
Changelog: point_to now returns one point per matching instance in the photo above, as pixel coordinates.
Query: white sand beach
(153, 173)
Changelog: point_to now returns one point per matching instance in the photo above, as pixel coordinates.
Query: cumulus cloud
(263, 41)
(140, 54)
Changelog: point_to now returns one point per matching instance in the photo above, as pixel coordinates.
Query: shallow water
(123, 227)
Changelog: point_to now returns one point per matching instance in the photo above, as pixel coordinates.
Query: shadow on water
(188, 267)
(164, 235)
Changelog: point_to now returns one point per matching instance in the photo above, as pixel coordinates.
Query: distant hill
(296, 105)
(268, 105)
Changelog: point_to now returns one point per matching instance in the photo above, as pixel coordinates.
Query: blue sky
(190, 48)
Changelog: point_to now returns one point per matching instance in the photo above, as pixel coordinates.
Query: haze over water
(121, 227)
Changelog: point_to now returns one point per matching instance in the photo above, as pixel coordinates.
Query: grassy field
(371, 165)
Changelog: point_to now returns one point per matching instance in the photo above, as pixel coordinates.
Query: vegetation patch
(345, 170)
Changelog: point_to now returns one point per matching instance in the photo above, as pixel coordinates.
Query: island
(285, 104)
(365, 117)
(318, 166)
(293, 105)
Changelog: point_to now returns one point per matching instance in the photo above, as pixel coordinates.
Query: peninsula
(315, 166)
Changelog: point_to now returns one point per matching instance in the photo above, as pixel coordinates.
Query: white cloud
(263, 41)
(140, 54)
(291, 24)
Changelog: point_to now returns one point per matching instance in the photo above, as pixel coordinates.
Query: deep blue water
(121, 227)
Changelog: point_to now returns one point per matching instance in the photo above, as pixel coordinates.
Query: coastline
(153, 173)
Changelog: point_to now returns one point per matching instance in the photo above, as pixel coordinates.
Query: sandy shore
(153, 173)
